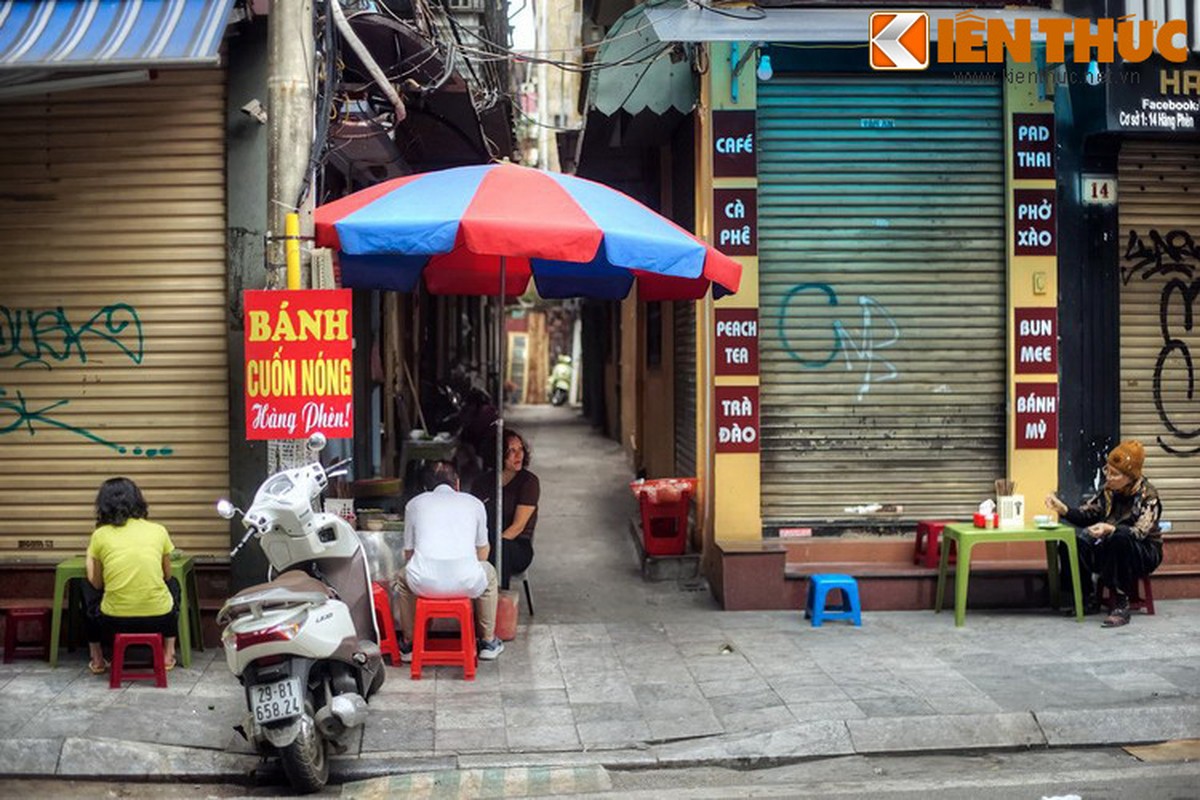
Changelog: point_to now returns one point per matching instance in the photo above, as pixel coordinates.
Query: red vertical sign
(734, 155)
(1037, 416)
(1034, 232)
(1033, 146)
(1037, 341)
(735, 218)
(737, 341)
(736, 415)
(299, 349)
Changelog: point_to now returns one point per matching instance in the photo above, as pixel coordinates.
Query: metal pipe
(364, 54)
(500, 426)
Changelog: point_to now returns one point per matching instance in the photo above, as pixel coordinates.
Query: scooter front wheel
(305, 761)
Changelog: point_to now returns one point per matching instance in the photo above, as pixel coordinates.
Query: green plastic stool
(182, 568)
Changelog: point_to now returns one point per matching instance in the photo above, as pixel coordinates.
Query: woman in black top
(1119, 538)
(520, 495)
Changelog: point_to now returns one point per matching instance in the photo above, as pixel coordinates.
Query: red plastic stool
(1143, 599)
(383, 620)
(15, 646)
(448, 652)
(121, 642)
(925, 548)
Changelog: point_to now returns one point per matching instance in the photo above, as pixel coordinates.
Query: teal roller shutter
(881, 246)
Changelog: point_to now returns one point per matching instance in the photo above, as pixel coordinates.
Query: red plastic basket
(664, 504)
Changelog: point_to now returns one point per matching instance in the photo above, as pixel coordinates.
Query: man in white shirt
(446, 551)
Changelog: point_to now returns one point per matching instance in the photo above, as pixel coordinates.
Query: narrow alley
(585, 568)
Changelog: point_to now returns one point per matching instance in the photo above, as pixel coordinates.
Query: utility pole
(541, 11)
(289, 130)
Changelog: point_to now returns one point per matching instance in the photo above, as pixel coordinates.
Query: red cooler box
(664, 504)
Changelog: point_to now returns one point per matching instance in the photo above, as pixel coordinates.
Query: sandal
(1116, 618)
(101, 669)
(169, 665)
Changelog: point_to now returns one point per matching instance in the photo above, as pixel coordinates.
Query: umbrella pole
(500, 426)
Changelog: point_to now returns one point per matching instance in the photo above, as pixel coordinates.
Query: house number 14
(1099, 190)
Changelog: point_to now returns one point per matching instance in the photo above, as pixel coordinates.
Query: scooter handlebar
(249, 533)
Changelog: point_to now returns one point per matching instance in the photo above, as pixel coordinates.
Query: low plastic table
(182, 567)
(965, 536)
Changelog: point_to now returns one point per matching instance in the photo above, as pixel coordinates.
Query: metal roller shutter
(684, 313)
(113, 333)
(881, 252)
(1159, 191)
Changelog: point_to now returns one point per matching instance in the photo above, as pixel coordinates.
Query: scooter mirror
(316, 442)
(226, 509)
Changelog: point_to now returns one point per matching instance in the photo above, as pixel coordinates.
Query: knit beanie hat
(1128, 457)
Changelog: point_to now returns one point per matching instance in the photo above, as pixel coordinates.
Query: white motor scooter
(304, 645)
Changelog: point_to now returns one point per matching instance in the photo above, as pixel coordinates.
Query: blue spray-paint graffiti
(873, 317)
(42, 336)
(35, 335)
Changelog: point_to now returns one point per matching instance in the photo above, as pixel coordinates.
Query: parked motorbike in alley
(560, 380)
(304, 644)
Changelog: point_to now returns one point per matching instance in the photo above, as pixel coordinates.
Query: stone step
(1181, 549)
(683, 567)
(890, 549)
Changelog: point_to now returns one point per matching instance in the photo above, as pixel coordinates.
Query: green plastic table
(182, 567)
(965, 536)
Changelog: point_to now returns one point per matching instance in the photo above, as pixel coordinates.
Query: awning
(697, 24)
(636, 71)
(91, 34)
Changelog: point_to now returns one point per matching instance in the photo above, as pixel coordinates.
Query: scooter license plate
(275, 701)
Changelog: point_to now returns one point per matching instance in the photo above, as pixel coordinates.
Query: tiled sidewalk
(703, 688)
(618, 671)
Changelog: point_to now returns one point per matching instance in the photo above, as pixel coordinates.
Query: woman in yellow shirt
(129, 560)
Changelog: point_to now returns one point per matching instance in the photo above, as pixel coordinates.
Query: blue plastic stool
(819, 587)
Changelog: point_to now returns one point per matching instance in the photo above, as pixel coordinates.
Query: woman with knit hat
(1119, 540)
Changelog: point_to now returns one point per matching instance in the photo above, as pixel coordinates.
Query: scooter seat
(290, 588)
(293, 580)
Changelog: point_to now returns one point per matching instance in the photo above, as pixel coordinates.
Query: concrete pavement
(621, 673)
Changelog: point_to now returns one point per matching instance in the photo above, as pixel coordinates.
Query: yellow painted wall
(1035, 471)
(703, 228)
(736, 480)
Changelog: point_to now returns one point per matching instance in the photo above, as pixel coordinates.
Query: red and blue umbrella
(460, 229)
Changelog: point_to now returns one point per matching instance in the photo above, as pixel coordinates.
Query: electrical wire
(517, 107)
(485, 60)
(324, 101)
(759, 12)
(539, 57)
(648, 51)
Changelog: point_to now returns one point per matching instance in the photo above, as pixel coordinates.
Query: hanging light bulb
(765, 72)
(1093, 73)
